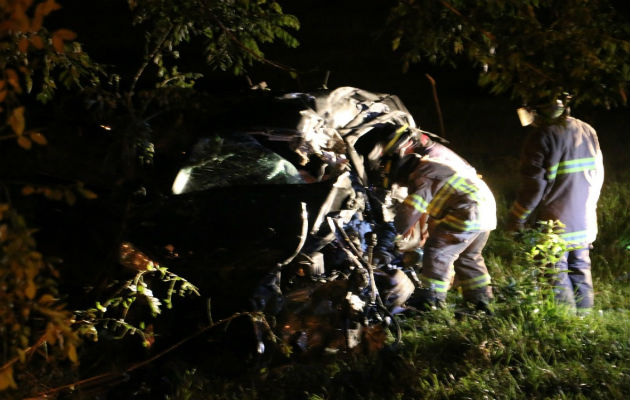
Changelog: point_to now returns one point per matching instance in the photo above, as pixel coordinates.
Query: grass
(530, 349)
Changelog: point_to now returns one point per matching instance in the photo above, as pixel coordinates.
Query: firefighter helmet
(545, 111)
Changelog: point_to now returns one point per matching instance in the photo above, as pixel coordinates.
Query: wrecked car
(286, 217)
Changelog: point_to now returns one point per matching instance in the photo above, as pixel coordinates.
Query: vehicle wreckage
(287, 219)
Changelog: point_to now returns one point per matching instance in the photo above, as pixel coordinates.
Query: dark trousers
(462, 250)
(573, 285)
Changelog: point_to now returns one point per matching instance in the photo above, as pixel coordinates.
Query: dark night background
(346, 39)
(339, 39)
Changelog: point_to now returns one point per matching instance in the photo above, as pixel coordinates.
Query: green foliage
(232, 31)
(525, 266)
(530, 49)
(611, 255)
(34, 60)
(35, 63)
(530, 349)
(136, 302)
(545, 246)
(613, 213)
(548, 355)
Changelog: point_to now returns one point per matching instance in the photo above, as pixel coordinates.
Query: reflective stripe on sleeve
(519, 211)
(417, 202)
(571, 166)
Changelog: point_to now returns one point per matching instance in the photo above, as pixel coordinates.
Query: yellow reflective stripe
(476, 282)
(452, 186)
(469, 190)
(519, 211)
(388, 167)
(442, 195)
(417, 202)
(455, 184)
(435, 284)
(397, 135)
(460, 224)
(571, 166)
(574, 237)
(551, 171)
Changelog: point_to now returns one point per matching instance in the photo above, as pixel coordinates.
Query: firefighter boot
(426, 300)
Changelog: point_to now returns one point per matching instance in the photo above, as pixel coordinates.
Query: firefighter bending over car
(461, 212)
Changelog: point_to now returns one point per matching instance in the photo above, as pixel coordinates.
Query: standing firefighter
(561, 177)
(461, 213)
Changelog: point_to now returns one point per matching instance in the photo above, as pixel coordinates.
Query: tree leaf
(396, 43)
(13, 79)
(16, 120)
(20, 19)
(88, 194)
(31, 289)
(51, 333)
(53, 194)
(72, 353)
(24, 142)
(46, 298)
(28, 190)
(57, 44)
(59, 36)
(21, 355)
(37, 42)
(6, 378)
(38, 138)
(65, 34)
(46, 8)
(71, 198)
(23, 44)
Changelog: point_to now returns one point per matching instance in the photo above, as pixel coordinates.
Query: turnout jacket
(562, 172)
(451, 193)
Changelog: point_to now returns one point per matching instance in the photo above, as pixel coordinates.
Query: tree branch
(113, 375)
(233, 37)
(462, 16)
(28, 351)
(144, 65)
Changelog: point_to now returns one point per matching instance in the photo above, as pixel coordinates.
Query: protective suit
(561, 178)
(462, 212)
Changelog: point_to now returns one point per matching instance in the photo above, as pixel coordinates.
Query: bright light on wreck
(181, 180)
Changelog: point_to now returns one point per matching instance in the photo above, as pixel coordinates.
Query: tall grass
(531, 348)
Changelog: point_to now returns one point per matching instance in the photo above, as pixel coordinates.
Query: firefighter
(561, 177)
(461, 214)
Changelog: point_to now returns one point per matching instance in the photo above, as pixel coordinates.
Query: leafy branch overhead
(35, 60)
(231, 30)
(531, 49)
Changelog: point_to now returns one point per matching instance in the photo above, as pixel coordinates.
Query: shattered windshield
(238, 159)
